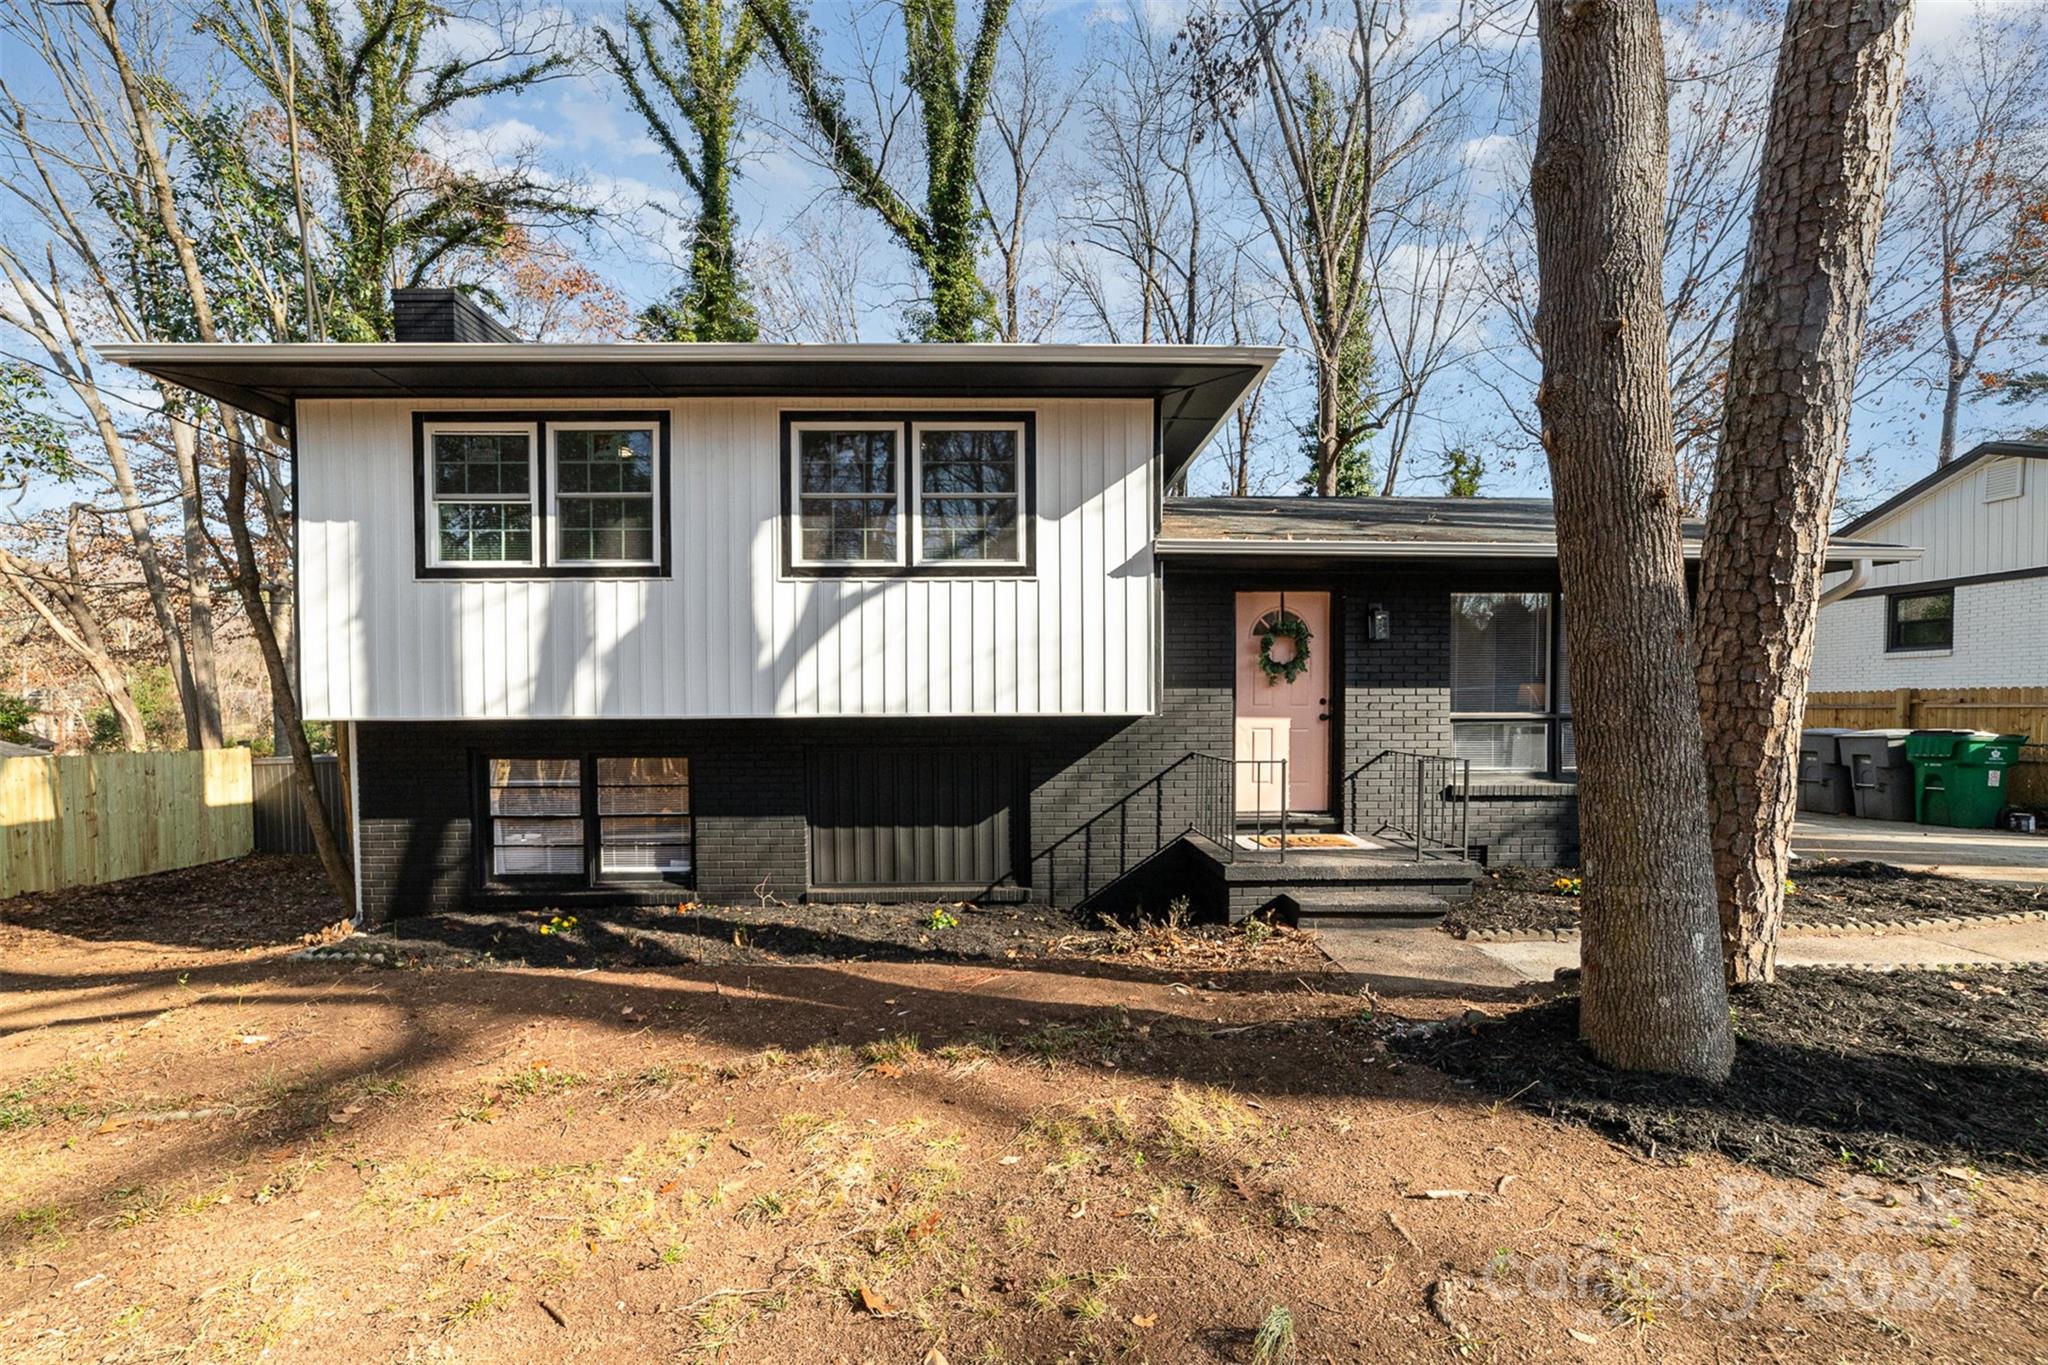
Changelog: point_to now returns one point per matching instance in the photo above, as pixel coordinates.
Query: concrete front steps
(1329, 888)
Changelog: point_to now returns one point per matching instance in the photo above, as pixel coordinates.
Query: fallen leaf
(934, 1357)
(1008, 1160)
(114, 1124)
(1585, 1338)
(875, 1303)
(345, 1114)
(886, 1070)
(253, 1039)
(1503, 1183)
(1144, 1319)
(666, 1186)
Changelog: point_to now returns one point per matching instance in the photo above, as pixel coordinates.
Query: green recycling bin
(1959, 777)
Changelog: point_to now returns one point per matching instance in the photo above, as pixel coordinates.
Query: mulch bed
(1831, 892)
(660, 936)
(263, 900)
(1893, 1073)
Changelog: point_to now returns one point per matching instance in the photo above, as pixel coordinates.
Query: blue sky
(581, 129)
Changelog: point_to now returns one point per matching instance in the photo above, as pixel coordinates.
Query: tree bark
(202, 714)
(1652, 996)
(1785, 432)
(284, 699)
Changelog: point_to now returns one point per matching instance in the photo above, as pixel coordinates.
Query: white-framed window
(970, 492)
(604, 492)
(480, 481)
(846, 479)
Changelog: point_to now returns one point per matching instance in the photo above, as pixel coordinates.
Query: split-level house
(609, 622)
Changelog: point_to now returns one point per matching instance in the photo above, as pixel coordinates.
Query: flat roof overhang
(1842, 554)
(1196, 387)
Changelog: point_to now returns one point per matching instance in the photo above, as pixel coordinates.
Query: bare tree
(1791, 382)
(1652, 996)
(1344, 132)
(1032, 100)
(1964, 260)
(1718, 63)
(61, 599)
(1141, 250)
(812, 279)
(93, 177)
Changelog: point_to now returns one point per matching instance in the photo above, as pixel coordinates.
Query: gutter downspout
(1858, 575)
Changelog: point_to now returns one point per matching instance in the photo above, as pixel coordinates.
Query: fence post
(1905, 702)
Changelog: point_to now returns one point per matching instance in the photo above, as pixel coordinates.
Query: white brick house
(1972, 610)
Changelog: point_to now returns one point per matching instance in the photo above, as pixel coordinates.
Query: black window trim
(1554, 718)
(1893, 644)
(543, 565)
(905, 421)
(592, 878)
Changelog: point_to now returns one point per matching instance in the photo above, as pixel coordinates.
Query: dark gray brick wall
(1107, 798)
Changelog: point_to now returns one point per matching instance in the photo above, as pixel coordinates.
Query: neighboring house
(652, 621)
(1972, 610)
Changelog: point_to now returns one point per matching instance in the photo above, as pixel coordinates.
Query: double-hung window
(1510, 684)
(922, 493)
(969, 491)
(480, 482)
(588, 820)
(525, 495)
(605, 488)
(849, 492)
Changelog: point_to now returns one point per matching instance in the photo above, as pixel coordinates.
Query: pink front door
(1277, 718)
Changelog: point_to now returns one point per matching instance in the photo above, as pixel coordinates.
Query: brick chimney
(443, 315)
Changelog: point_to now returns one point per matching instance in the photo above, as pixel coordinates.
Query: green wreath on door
(1286, 625)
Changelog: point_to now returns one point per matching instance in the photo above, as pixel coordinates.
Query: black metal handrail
(1218, 817)
(1430, 796)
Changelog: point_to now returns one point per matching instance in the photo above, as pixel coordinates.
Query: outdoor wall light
(1378, 625)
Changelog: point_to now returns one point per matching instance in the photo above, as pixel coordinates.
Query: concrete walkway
(1989, 855)
(1421, 960)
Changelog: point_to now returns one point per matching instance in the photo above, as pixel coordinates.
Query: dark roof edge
(1942, 473)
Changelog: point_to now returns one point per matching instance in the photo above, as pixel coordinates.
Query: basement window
(589, 821)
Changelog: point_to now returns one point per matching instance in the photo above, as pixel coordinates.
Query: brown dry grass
(228, 1156)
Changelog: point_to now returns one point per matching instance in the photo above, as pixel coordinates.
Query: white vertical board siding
(727, 635)
(1962, 535)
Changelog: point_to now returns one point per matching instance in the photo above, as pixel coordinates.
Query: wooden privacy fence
(2005, 710)
(281, 823)
(101, 817)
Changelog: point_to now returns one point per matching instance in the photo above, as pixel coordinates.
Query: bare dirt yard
(1145, 1146)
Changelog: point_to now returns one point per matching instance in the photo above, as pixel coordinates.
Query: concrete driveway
(1981, 854)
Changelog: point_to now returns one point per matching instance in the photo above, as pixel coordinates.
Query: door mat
(1313, 839)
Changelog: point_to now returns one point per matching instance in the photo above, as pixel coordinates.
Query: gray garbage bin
(1823, 777)
(1880, 776)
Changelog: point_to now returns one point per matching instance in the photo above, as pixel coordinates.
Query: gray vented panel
(912, 817)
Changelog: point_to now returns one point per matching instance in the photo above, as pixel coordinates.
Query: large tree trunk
(1791, 380)
(202, 710)
(1651, 992)
(284, 699)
